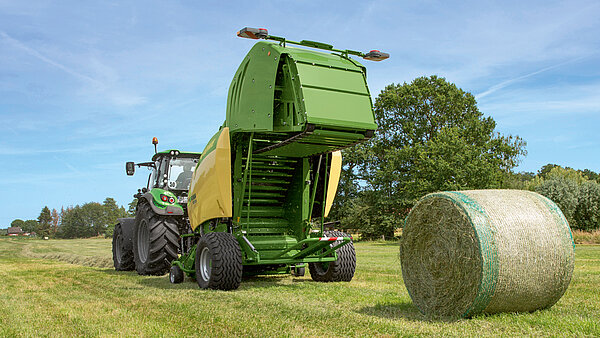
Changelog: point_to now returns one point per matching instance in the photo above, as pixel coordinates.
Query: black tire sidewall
(226, 261)
(122, 257)
(340, 270)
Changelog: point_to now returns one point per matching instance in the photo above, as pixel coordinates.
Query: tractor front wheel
(175, 275)
(155, 242)
(340, 270)
(218, 262)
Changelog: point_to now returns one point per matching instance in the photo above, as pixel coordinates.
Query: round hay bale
(485, 251)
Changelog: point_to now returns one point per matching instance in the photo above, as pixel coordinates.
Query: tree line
(81, 221)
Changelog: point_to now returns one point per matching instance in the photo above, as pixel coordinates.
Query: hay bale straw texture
(485, 251)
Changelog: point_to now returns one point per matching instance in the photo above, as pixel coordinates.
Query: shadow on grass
(396, 310)
(163, 282)
(401, 310)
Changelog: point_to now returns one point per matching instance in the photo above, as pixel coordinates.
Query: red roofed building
(14, 231)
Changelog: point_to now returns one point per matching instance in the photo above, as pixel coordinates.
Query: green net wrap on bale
(485, 251)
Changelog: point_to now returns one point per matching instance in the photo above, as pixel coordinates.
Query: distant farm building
(14, 231)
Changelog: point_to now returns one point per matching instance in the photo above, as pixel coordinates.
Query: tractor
(265, 182)
(149, 242)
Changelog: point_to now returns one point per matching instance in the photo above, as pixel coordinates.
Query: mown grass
(47, 297)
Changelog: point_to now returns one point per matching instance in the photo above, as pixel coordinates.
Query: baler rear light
(253, 33)
(376, 55)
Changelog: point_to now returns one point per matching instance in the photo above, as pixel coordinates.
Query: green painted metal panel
(156, 192)
(332, 78)
(338, 109)
(321, 58)
(250, 99)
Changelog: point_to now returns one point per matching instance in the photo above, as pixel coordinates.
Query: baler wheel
(122, 251)
(175, 275)
(155, 242)
(341, 270)
(218, 262)
(298, 271)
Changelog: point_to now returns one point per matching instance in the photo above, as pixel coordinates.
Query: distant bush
(586, 237)
(564, 192)
(587, 212)
(576, 195)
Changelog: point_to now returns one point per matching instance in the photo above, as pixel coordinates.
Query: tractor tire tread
(163, 246)
(126, 262)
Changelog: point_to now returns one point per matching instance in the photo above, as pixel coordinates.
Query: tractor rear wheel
(340, 270)
(218, 262)
(155, 241)
(122, 250)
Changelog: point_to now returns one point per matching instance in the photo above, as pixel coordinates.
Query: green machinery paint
(288, 109)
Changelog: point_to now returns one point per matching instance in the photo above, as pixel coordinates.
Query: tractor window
(180, 173)
(152, 178)
(163, 173)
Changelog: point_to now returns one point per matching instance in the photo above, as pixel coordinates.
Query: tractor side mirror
(130, 168)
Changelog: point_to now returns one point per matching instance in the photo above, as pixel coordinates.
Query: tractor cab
(172, 170)
(170, 176)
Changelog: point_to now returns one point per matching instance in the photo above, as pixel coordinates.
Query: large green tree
(18, 223)
(44, 222)
(431, 137)
(91, 219)
(30, 225)
(112, 213)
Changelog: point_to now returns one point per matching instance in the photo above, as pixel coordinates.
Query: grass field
(43, 295)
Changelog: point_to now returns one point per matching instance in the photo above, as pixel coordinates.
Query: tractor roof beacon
(266, 180)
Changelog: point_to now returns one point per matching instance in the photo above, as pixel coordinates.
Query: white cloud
(43, 58)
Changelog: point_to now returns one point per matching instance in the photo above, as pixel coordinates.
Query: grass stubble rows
(42, 294)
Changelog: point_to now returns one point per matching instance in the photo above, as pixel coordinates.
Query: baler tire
(122, 251)
(156, 247)
(299, 272)
(175, 275)
(340, 270)
(218, 262)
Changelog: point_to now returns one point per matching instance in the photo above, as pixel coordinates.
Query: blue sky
(84, 86)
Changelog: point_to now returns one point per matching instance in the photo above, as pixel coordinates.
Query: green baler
(273, 167)
(266, 180)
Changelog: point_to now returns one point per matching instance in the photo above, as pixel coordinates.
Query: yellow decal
(334, 179)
